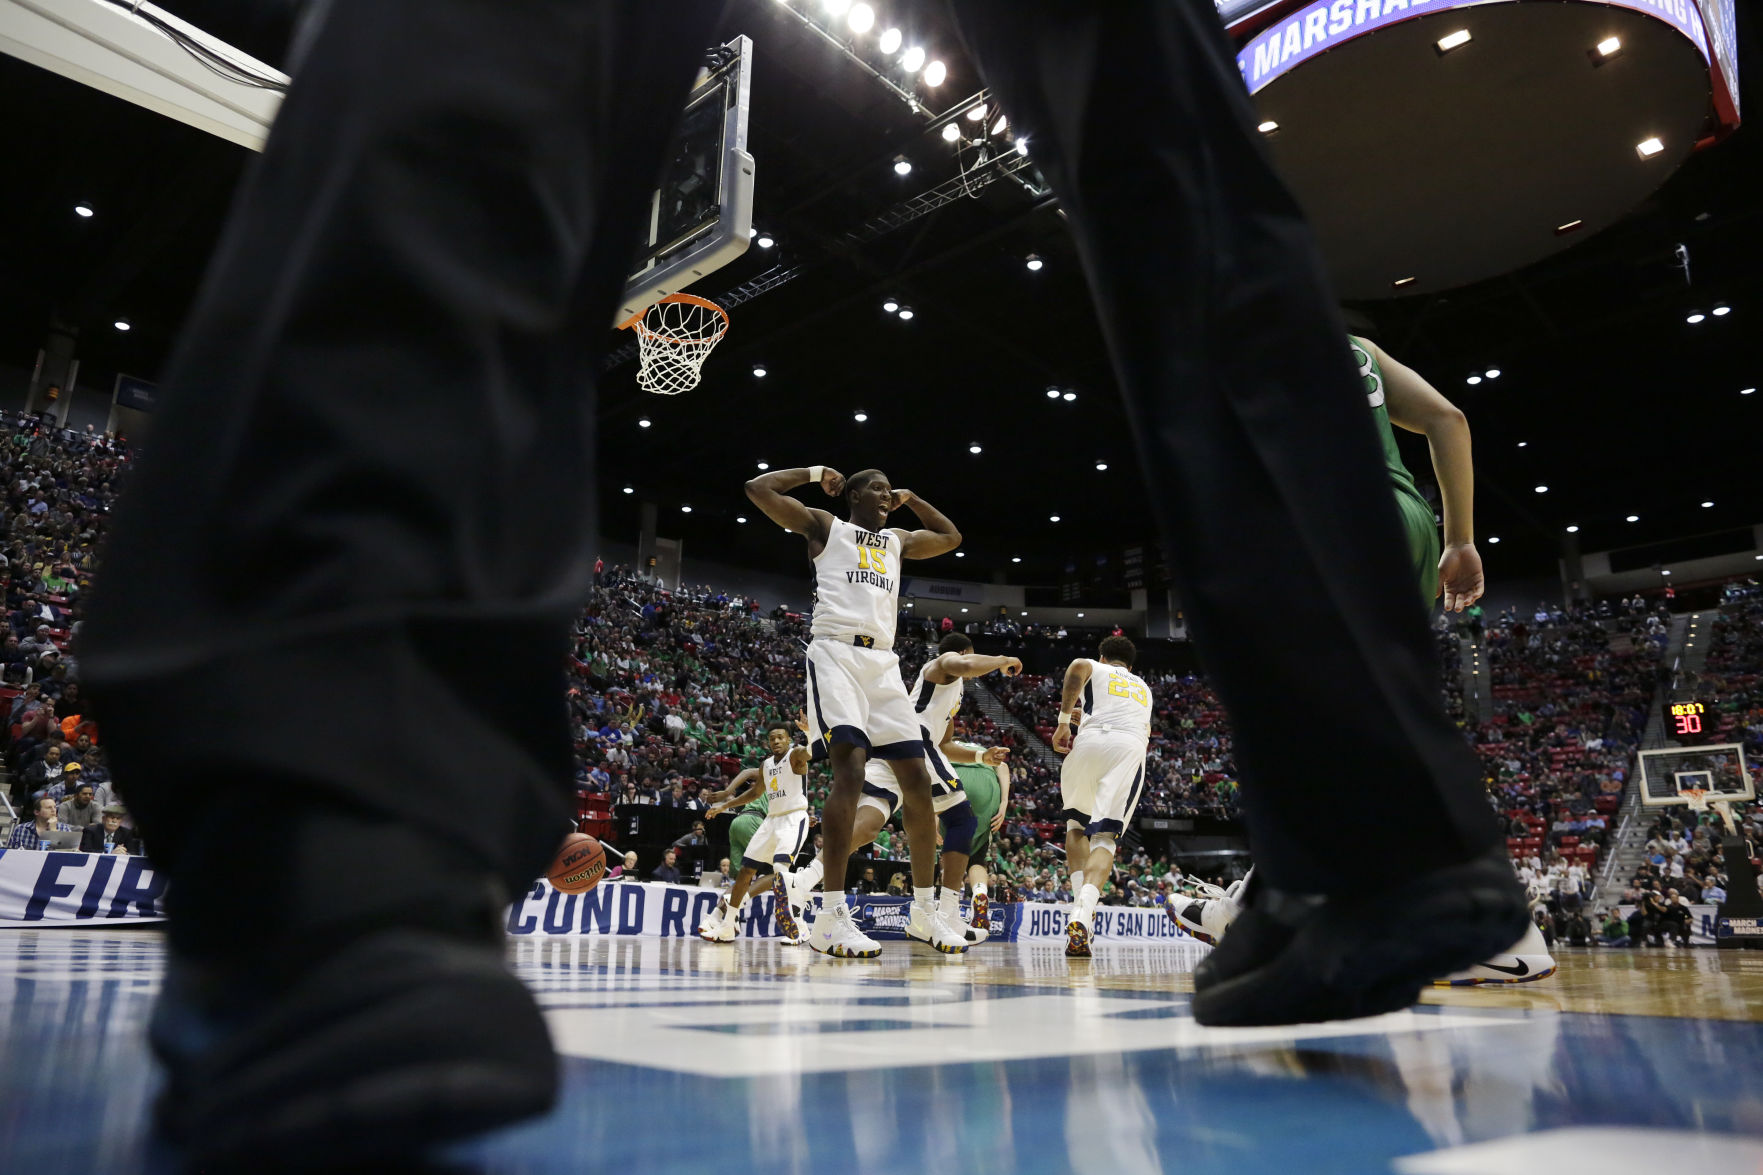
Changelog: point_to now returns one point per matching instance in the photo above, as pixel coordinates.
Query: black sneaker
(398, 1042)
(1296, 959)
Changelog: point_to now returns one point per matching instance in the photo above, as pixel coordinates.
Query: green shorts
(739, 833)
(1424, 549)
(983, 793)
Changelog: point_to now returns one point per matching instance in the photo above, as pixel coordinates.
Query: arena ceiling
(1606, 394)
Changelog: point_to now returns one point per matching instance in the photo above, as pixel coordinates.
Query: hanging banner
(77, 889)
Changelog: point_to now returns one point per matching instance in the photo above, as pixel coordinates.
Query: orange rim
(635, 320)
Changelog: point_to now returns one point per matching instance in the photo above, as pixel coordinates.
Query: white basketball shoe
(1528, 961)
(1207, 914)
(927, 925)
(835, 933)
(949, 906)
(720, 926)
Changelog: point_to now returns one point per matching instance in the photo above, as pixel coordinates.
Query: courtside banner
(652, 909)
(40, 889)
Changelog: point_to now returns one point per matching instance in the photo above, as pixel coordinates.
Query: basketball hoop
(1696, 798)
(674, 337)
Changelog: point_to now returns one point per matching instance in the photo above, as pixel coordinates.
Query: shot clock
(1687, 722)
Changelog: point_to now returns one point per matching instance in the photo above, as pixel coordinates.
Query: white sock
(812, 875)
(1077, 881)
(1089, 896)
(831, 900)
(950, 902)
(925, 895)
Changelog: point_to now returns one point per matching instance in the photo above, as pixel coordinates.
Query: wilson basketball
(579, 865)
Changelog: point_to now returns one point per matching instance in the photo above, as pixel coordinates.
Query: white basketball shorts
(881, 790)
(1102, 779)
(855, 695)
(777, 840)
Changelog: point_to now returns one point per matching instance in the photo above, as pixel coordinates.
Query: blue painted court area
(685, 1056)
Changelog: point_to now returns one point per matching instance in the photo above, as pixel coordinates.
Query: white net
(674, 337)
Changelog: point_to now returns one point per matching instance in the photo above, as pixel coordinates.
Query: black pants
(345, 570)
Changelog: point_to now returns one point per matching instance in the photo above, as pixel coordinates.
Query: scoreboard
(1687, 722)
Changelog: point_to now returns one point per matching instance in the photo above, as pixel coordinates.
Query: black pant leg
(342, 576)
(1253, 432)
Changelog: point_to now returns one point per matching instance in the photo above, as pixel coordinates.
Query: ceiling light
(1454, 40)
(1634, 518)
(862, 18)
(1647, 148)
(1573, 530)
(1022, 145)
(976, 113)
(1522, 444)
(764, 465)
(765, 242)
(1609, 47)
(630, 489)
(121, 324)
(974, 448)
(905, 314)
(1025, 613)
(1746, 391)
(751, 233)
(1101, 467)
(1562, 230)
(890, 42)
(890, 305)
(1034, 262)
(83, 210)
(685, 509)
(935, 73)
(964, 609)
(1722, 310)
(860, 416)
(960, 554)
(1542, 489)
(1053, 393)
(1052, 518)
(1665, 571)
(759, 371)
(1018, 558)
(951, 132)
(1493, 373)
(913, 61)
(1068, 397)
(1268, 127)
(1695, 317)
(1001, 125)
(1080, 615)
(1473, 380)
(902, 165)
(1706, 505)
(643, 423)
(1493, 538)
(740, 518)
(1403, 281)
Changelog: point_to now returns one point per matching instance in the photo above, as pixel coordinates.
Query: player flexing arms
(857, 704)
(780, 836)
(936, 698)
(1400, 396)
(1103, 774)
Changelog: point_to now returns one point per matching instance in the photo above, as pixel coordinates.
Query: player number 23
(1122, 688)
(872, 560)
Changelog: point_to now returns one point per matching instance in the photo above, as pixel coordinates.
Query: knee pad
(959, 825)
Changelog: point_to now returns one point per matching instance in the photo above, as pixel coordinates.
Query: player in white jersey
(780, 835)
(936, 698)
(1104, 771)
(857, 705)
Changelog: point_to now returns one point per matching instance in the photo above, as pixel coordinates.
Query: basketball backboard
(701, 214)
(1718, 770)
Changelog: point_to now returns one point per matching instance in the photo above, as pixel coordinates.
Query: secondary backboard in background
(1718, 770)
(701, 214)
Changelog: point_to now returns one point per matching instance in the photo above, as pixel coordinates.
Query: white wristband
(1066, 717)
(815, 472)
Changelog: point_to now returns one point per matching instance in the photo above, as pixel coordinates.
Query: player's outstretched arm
(799, 760)
(1003, 770)
(1418, 407)
(1076, 674)
(938, 535)
(950, 666)
(748, 786)
(771, 493)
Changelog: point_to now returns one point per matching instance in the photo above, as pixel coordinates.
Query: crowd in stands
(59, 486)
